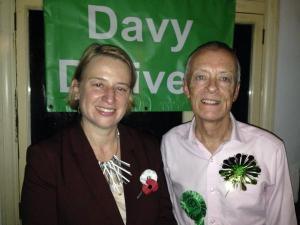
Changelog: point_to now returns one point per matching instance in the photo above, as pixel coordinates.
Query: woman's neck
(104, 142)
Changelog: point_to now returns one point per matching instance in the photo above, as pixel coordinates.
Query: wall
(287, 103)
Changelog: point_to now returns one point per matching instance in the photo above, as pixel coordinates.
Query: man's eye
(225, 79)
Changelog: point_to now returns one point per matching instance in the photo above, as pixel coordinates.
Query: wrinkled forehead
(211, 58)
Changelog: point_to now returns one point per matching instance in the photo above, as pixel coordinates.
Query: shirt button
(212, 221)
(212, 189)
(211, 160)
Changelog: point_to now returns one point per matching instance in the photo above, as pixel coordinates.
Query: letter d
(92, 10)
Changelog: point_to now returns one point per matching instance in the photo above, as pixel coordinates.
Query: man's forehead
(201, 53)
(212, 58)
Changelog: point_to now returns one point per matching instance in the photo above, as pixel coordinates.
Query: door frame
(9, 186)
(15, 90)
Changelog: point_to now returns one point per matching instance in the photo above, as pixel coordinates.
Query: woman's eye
(122, 89)
(200, 77)
(98, 85)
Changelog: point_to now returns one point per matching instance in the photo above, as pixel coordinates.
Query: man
(219, 170)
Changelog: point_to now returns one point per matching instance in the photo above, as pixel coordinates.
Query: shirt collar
(235, 135)
(191, 131)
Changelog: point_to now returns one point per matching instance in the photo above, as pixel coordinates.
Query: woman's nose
(109, 95)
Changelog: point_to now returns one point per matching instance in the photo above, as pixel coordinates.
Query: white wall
(287, 105)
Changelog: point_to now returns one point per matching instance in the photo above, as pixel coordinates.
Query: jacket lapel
(131, 154)
(93, 175)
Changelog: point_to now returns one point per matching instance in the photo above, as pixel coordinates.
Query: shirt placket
(212, 193)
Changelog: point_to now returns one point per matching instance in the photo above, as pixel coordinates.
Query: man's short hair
(216, 45)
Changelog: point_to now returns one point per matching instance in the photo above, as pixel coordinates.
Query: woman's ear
(75, 89)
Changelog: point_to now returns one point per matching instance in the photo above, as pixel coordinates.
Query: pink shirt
(190, 166)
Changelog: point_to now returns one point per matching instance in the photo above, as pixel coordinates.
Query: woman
(90, 173)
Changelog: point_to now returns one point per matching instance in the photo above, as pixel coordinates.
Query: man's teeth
(210, 102)
(106, 110)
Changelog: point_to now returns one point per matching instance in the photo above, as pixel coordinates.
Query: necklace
(114, 170)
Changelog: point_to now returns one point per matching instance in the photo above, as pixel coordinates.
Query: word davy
(136, 29)
(174, 79)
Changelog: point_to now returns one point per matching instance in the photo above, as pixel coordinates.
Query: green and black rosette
(194, 206)
(240, 170)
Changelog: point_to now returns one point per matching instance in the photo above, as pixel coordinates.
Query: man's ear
(186, 88)
(236, 92)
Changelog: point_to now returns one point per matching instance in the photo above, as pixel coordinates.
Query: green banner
(158, 35)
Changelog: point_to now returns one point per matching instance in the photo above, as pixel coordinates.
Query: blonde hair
(90, 53)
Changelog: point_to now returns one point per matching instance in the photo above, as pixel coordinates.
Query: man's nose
(212, 84)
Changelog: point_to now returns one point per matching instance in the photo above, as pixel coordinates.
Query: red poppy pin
(149, 181)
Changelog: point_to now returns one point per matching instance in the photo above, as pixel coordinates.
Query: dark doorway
(44, 124)
(242, 44)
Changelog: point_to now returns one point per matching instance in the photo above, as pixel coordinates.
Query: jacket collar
(93, 175)
(96, 181)
(131, 154)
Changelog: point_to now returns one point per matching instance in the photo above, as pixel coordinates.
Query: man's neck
(213, 134)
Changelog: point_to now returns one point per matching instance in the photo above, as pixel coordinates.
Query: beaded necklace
(114, 170)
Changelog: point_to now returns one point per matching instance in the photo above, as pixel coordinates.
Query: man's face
(211, 86)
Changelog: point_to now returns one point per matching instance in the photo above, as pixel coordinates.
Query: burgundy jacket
(64, 184)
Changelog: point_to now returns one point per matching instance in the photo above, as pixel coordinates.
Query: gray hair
(215, 45)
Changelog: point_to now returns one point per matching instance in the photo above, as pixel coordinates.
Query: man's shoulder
(181, 130)
(252, 132)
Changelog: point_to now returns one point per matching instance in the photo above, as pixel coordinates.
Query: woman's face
(104, 92)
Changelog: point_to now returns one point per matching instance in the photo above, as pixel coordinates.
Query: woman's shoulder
(51, 145)
(136, 133)
(140, 141)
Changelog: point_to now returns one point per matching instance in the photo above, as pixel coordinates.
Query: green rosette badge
(194, 206)
(240, 170)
